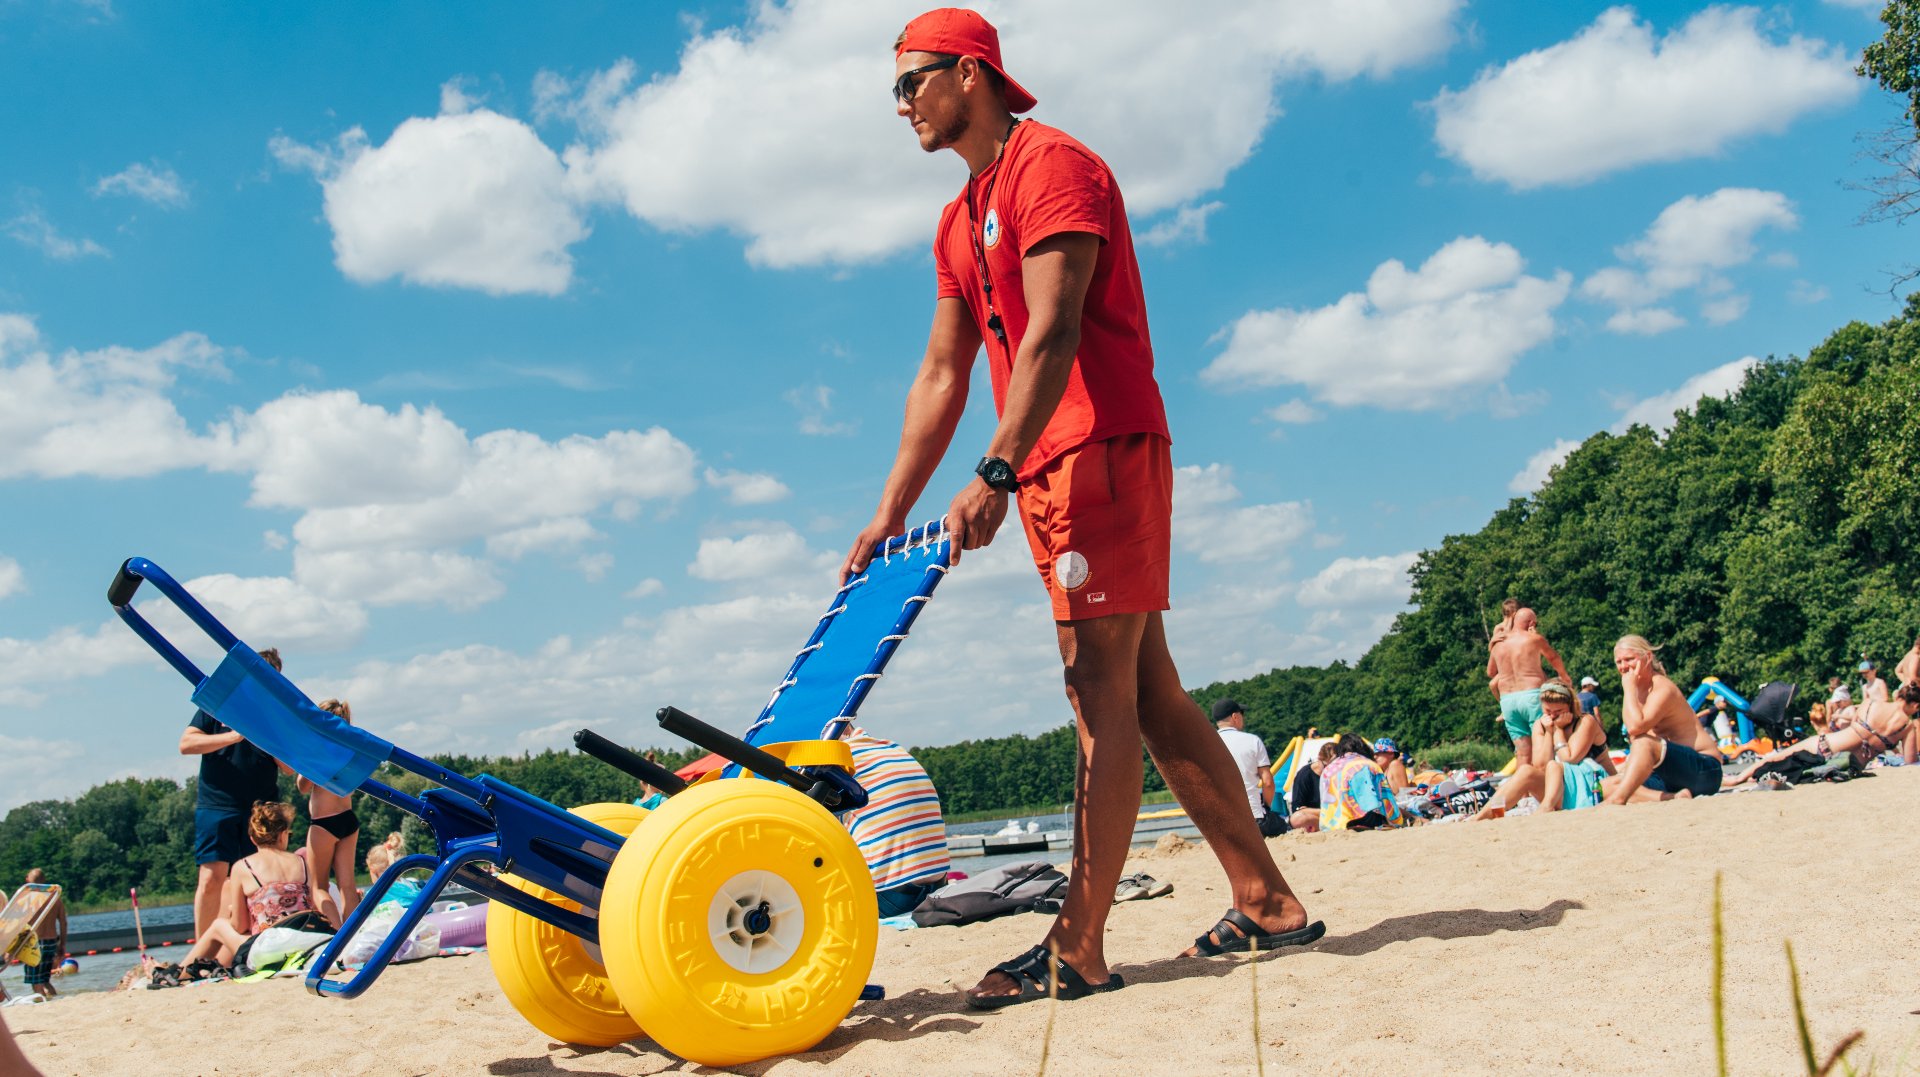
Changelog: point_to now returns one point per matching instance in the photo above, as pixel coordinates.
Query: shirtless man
(1670, 754)
(1905, 673)
(1514, 668)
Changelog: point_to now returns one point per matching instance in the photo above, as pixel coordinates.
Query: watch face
(996, 473)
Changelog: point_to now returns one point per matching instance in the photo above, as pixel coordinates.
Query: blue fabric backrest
(261, 705)
(852, 644)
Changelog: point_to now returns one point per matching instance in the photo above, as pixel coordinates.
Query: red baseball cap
(957, 31)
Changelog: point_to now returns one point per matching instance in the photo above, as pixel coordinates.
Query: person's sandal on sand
(1030, 972)
(1236, 933)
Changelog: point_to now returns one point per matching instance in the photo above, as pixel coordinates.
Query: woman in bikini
(332, 838)
(1868, 730)
(271, 888)
(1573, 745)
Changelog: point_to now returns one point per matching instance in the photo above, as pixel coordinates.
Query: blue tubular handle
(120, 595)
(389, 947)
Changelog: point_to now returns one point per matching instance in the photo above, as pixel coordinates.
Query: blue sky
(515, 369)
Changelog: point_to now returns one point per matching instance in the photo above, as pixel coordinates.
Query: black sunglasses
(904, 88)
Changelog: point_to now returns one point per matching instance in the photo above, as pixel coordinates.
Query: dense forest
(1766, 537)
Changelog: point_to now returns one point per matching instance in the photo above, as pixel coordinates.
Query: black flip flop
(1246, 934)
(1030, 971)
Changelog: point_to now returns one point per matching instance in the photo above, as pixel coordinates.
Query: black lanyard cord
(974, 234)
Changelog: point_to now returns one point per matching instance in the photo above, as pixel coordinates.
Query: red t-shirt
(1048, 184)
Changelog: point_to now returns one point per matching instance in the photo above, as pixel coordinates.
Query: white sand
(1575, 942)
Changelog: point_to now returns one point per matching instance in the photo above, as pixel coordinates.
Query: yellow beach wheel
(552, 977)
(740, 924)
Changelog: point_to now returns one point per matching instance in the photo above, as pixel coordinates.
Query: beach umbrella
(695, 769)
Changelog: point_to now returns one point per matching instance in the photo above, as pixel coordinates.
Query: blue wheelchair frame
(482, 826)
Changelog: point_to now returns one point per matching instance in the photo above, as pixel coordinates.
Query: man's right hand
(870, 536)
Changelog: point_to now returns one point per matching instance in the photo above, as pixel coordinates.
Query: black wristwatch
(997, 473)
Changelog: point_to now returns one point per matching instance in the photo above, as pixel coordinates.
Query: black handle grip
(628, 761)
(125, 583)
(686, 726)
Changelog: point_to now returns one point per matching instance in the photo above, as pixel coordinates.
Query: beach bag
(1030, 886)
(275, 945)
(425, 941)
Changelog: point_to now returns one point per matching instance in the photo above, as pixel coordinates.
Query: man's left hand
(975, 516)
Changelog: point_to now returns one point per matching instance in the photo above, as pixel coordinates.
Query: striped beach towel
(900, 831)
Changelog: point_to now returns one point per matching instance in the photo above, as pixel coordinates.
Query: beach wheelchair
(735, 922)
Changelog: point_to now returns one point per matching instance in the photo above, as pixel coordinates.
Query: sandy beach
(1578, 942)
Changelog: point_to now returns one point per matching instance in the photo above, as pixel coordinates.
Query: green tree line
(1765, 537)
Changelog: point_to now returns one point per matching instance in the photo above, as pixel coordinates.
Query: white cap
(1584, 681)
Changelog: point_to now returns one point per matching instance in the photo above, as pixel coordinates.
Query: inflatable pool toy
(20, 922)
(735, 922)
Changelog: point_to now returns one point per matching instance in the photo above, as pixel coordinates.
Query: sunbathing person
(332, 838)
(1669, 754)
(1305, 796)
(1871, 729)
(271, 888)
(1354, 793)
(1906, 672)
(1386, 756)
(1513, 665)
(1573, 745)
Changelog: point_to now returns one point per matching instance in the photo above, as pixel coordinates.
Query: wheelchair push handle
(726, 745)
(629, 762)
(125, 583)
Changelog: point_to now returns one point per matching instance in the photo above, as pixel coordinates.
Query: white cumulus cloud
(12, 580)
(103, 412)
(821, 171)
(770, 552)
(1210, 522)
(1689, 247)
(1614, 97)
(469, 199)
(1539, 467)
(1414, 340)
(745, 488)
(824, 172)
(1655, 411)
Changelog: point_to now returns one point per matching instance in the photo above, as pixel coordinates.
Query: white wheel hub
(755, 921)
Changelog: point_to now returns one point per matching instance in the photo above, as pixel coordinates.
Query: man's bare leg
(207, 895)
(1102, 661)
(1522, 752)
(1200, 772)
(1643, 754)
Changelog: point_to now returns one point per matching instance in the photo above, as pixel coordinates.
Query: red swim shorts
(1099, 521)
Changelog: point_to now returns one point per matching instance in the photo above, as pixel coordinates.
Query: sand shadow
(1449, 924)
(545, 1064)
(904, 1017)
(894, 1019)
(1446, 924)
